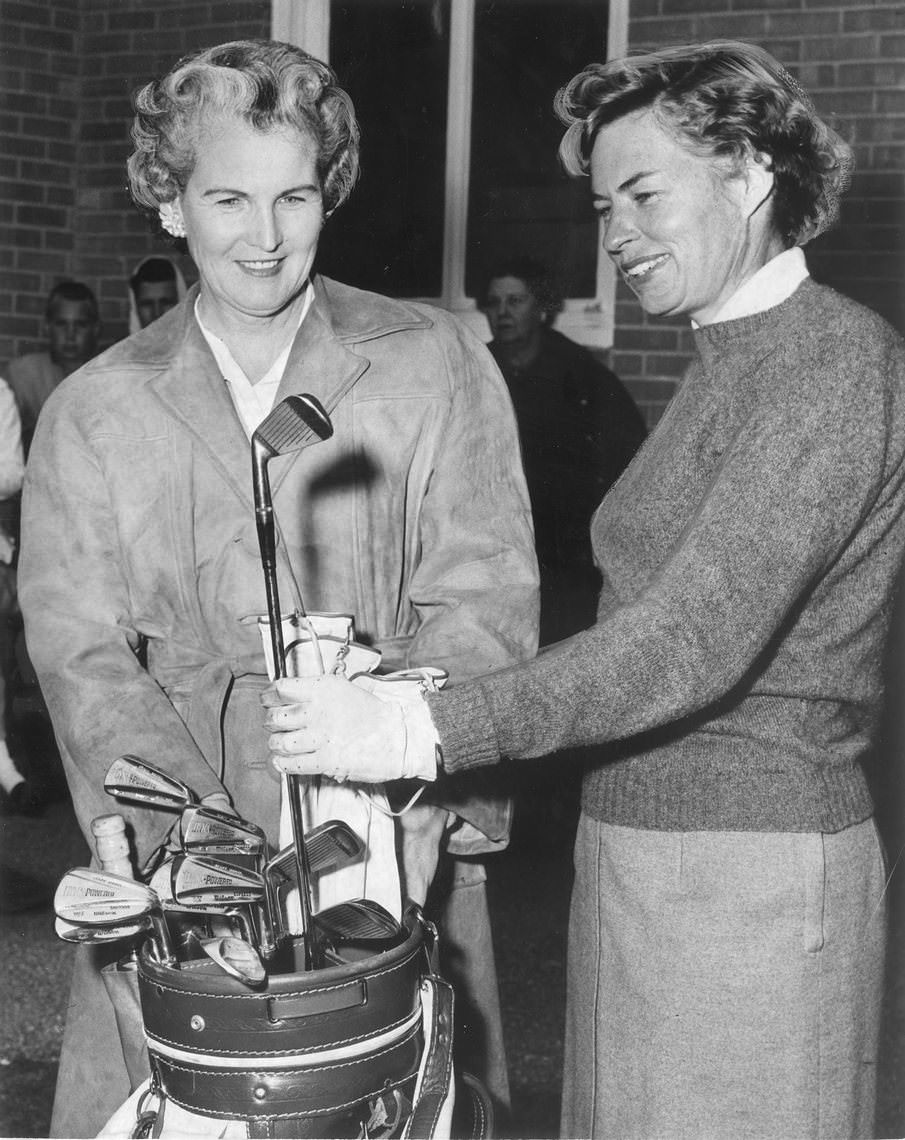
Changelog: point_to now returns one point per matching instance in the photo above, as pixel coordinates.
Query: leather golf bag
(359, 1049)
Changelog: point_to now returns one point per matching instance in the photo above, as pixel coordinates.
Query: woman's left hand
(329, 726)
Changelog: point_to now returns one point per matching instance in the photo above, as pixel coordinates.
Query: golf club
(76, 932)
(207, 831)
(184, 919)
(294, 423)
(358, 920)
(131, 778)
(86, 897)
(200, 881)
(236, 957)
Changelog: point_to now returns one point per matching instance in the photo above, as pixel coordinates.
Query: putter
(293, 424)
(86, 897)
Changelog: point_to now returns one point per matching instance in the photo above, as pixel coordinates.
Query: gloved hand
(329, 726)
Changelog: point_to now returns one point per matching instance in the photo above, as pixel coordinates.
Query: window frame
(588, 320)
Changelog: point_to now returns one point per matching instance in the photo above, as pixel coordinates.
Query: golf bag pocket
(121, 983)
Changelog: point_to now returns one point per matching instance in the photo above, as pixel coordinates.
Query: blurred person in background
(139, 522)
(72, 327)
(728, 921)
(156, 286)
(579, 428)
(19, 795)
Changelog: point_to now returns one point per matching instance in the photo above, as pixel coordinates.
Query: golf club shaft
(293, 783)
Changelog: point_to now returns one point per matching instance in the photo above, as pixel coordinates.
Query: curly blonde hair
(727, 100)
(266, 83)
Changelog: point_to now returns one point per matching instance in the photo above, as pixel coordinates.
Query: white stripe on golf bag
(262, 1061)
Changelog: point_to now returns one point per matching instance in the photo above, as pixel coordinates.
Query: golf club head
(201, 880)
(97, 898)
(292, 424)
(206, 831)
(74, 932)
(358, 920)
(237, 957)
(131, 778)
(86, 897)
(331, 845)
(161, 882)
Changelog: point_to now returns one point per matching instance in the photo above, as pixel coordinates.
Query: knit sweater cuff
(463, 719)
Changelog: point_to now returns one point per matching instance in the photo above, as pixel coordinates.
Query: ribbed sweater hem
(739, 786)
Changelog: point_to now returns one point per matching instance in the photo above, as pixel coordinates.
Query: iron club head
(131, 778)
(207, 831)
(85, 897)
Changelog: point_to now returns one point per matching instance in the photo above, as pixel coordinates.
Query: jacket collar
(327, 359)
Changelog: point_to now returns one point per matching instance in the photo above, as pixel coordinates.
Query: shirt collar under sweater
(771, 284)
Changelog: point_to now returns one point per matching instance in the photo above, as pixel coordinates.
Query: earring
(171, 219)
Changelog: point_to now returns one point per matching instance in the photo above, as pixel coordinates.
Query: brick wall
(68, 70)
(38, 131)
(126, 43)
(851, 59)
(69, 67)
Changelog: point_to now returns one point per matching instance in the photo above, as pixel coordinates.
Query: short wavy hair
(727, 100)
(539, 281)
(266, 83)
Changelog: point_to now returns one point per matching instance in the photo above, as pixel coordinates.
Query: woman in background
(727, 931)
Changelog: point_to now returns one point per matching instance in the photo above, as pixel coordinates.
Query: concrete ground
(529, 892)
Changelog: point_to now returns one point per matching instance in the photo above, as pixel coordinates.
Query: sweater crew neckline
(711, 340)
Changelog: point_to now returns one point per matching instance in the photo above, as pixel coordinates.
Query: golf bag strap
(434, 1092)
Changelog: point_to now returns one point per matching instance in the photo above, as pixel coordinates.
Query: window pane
(520, 201)
(392, 56)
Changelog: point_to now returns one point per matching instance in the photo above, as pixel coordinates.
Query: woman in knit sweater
(727, 930)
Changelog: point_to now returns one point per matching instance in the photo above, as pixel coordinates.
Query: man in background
(156, 286)
(72, 326)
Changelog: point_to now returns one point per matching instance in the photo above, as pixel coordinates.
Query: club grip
(112, 845)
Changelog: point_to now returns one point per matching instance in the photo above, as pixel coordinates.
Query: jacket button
(197, 1022)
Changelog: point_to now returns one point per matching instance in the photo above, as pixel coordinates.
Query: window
(459, 145)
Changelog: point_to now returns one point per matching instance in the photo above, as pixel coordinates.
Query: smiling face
(676, 223)
(253, 213)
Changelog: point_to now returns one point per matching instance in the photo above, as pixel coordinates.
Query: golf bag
(360, 1049)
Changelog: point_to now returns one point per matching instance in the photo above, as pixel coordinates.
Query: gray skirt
(723, 984)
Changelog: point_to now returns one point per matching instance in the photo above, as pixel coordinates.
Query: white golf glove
(369, 730)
